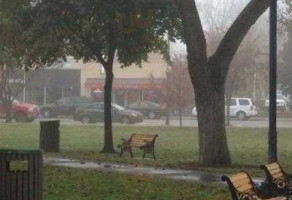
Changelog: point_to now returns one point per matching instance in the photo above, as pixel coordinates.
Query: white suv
(282, 103)
(241, 108)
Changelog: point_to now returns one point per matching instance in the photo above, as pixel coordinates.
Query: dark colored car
(65, 106)
(148, 109)
(95, 113)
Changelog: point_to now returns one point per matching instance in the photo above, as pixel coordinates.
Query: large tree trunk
(228, 101)
(108, 133)
(212, 131)
(208, 75)
(228, 96)
(8, 112)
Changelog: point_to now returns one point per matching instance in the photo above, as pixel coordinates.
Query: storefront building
(130, 84)
(129, 90)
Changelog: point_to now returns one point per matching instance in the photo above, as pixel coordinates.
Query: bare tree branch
(194, 35)
(235, 35)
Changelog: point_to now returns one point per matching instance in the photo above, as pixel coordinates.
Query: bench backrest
(138, 140)
(274, 171)
(240, 184)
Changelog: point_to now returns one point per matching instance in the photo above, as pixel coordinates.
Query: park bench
(242, 187)
(144, 142)
(278, 180)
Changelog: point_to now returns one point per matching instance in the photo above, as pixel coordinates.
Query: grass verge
(73, 184)
(177, 148)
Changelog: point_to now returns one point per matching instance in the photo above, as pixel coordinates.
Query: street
(187, 122)
(192, 122)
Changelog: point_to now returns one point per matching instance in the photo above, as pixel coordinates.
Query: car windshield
(118, 107)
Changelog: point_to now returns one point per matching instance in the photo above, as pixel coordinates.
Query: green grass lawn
(73, 184)
(175, 147)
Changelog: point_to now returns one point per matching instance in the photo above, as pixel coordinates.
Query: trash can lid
(18, 151)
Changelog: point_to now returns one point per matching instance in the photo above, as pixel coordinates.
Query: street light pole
(273, 83)
(24, 87)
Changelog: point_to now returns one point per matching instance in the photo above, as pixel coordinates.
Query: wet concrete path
(174, 174)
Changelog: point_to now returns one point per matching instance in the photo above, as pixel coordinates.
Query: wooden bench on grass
(144, 142)
(278, 180)
(242, 187)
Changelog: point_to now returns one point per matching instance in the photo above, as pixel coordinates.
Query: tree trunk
(208, 75)
(167, 114)
(8, 109)
(108, 133)
(212, 131)
(228, 100)
(180, 117)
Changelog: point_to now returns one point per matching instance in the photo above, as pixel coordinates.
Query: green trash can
(20, 175)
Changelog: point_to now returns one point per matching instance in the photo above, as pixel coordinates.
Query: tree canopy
(100, 31)
(285, 71)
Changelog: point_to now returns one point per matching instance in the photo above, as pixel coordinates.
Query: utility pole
(272, 155)
(45, 95)
(24, 86)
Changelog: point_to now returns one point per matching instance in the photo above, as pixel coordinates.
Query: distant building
(47, 85)
(87, 79)
(130, 84)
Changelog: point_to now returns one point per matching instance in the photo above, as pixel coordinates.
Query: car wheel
(151, 115)
(125, 120)
(241, 115)
(47, 113)
(86, 120)
(21, 117)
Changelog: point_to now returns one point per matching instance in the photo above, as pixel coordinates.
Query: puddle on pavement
(184, 175)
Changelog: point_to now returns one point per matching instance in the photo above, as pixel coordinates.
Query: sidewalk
(174, 174)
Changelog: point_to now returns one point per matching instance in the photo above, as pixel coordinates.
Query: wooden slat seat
(242, 187)
(144, 142)
(278, 180)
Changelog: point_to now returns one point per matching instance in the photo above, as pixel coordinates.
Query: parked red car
(21, 112)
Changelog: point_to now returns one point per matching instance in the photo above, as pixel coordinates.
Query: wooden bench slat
(278, 175)
(275, 171)
(272, 166)
(241, 182)
(138, 140)
(238, 177)
(247, 188)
